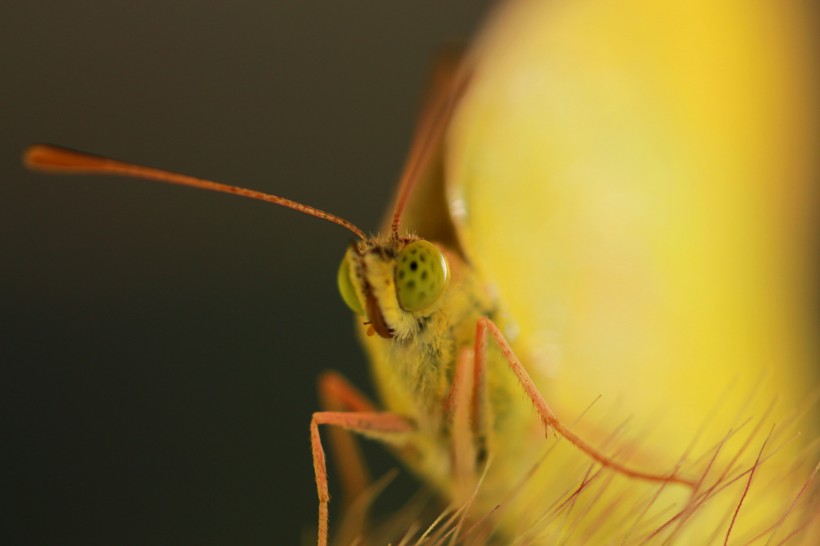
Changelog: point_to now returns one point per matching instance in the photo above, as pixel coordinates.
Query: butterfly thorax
(414, 363)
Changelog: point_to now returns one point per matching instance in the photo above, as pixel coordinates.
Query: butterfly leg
(337, 394)
(379, 425)
(458, 407)
(548, 417)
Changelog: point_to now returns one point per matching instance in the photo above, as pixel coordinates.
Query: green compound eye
(421, 273)
(346, 288)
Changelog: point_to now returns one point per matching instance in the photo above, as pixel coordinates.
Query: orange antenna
(430, 132)
(55, 160)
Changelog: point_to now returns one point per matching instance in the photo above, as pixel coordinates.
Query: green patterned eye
(346, 288)
(421, 273)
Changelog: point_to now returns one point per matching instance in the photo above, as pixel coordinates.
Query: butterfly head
(393, 282)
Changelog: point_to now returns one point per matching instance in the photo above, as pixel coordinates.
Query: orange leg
(379, 425)
(548, 417)
(337, 394)
(458, 408)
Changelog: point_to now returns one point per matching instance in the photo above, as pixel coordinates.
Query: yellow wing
(636, 179)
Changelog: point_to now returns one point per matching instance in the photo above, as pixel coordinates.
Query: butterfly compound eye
(421, 274)
(346, 288)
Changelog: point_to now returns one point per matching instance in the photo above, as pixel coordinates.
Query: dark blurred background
(159, 346)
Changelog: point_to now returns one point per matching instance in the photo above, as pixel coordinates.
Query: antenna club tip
(48, 158)
(32, 154)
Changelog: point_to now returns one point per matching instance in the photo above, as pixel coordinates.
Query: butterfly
(500, 289)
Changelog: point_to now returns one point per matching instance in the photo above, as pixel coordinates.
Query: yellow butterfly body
(414, 369)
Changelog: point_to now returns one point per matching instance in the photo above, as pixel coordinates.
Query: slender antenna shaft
(56, 160)
(431, 131)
